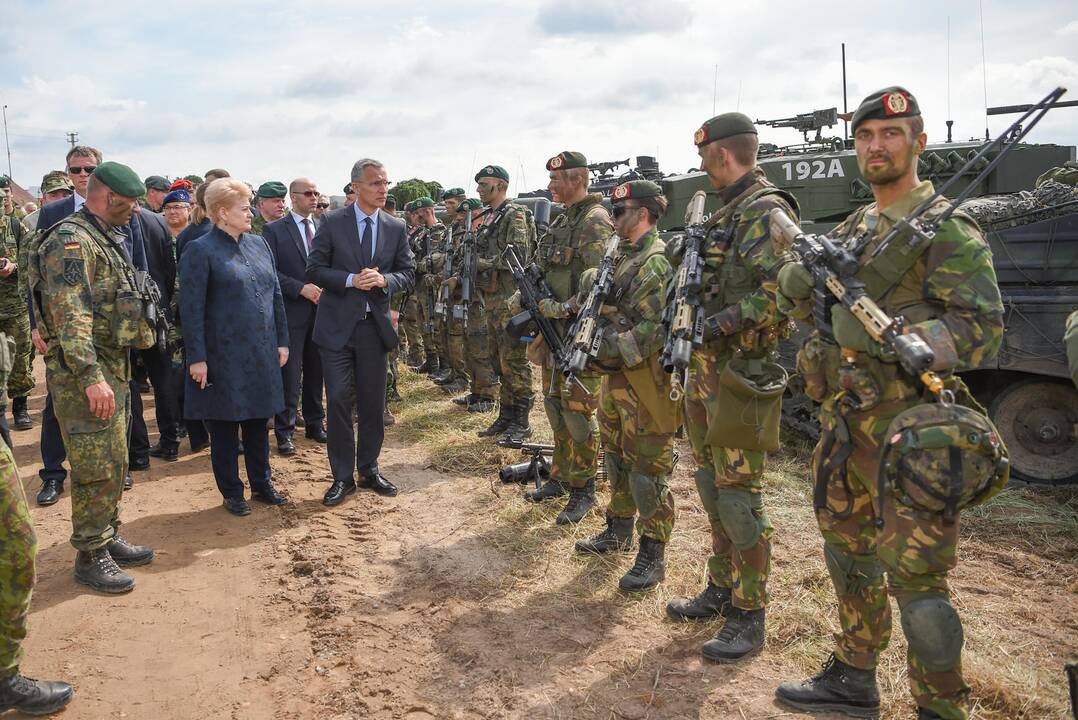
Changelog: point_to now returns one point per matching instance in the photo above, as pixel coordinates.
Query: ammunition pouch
(520, 325)
(750, 405)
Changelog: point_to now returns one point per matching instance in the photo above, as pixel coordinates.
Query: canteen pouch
(750, 405)
(129, 325)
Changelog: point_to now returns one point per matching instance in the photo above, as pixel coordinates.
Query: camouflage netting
(1055, 194)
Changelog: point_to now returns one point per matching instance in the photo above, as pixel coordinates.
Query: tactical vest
(498, 279)
(558, 254)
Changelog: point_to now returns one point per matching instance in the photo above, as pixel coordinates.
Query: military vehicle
(1027, 388)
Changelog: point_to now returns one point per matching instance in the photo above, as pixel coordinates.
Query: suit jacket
(160, 260)
(290, 256)
(335, 255)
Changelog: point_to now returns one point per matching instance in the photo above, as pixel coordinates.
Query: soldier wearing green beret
(15, 318)
(269, 200)
(418, 357)
(741, 265)
(451, 330)
(506, 224)
(637, 418)
(427, 241)
(90, 311)
(574, 243)
(946, 292)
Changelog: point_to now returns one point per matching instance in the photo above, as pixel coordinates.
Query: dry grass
(1021, 546)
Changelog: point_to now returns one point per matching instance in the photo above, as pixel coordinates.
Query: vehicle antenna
(950, 122)
(984, 69)
(740, 83)
(845, 106)
(715, 90)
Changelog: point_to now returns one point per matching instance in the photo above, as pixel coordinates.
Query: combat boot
(127, 555)
(443, 376)
(649, 568)
(34, 697)
(500, 423)
(712, 602)
(741, 636)
(618, 535)
(482, 404)
(19, 414)
(551, 488)
(97, 569)
(581, 501)
(454, 386)
(430, 365)
(465, 400)
(838, 687)
(518, 430)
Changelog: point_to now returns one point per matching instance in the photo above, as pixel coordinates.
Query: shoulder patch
(73, 271)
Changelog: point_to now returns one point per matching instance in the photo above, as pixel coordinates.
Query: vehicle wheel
(1038, 421)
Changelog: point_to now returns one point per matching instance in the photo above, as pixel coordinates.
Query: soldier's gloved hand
(795, 281)
(587, 280)
(675, 249)
(514, 306)
(551, 308)
(608, 346)
(850, 333)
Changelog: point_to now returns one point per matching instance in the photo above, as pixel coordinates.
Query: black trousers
(166, 403)
(304, 367)
(53, 452)
(138, 437)
(197, 434)
(355, 378)
(225, 454)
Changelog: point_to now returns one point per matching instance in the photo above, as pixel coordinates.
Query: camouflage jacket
(640, 278)
(13, 236)
(575, 242)
(424, 261)
(509, 224)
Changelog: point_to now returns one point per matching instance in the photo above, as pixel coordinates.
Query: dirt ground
(456, 599)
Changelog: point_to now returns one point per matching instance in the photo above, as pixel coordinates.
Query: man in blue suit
(291, 239)
(360, 259)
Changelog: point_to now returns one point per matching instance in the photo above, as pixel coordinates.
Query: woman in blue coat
(236, 338)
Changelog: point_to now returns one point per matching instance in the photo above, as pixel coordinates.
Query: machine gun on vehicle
(683, 319)
(604, 168)
(806, 123)
(585, 329)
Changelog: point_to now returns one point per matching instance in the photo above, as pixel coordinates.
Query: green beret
(636, 190)
(423, 202)
(467, 204)
(494, 171)
(566, 160)
(5, 181)
(453, 192)
(56, 180)
(121, 179)
(271, 189)
(409, 206)
(892, 102)
(723, 126)
(348, 189)
(156, 182)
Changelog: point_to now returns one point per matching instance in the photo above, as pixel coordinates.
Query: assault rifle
(683, 317)
(151, 306)
(585, 329)
(533, 288)
(467, 270)
(441, 306)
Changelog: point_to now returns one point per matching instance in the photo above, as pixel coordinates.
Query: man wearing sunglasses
(290, 239)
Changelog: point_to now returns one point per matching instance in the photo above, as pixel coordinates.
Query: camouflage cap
(723, 126)
(453, 192)
(423, 202)
(494, 171)
(467, 204)
(156, 182)
(348, 189)
(636, 190)
(121, 179)
(566, 160)
(55, 181)
(272, 189)
(891, 102)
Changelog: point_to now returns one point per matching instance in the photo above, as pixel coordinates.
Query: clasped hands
(368, 279)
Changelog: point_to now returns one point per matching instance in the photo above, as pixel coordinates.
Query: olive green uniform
(448, 256)
(427, 237)
(14, 316)
(411, 315)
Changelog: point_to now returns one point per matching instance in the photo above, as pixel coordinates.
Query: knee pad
(581, 427)
(851, 574)
(645, 489)
(933, 631)
(613, 465)
(705, 485)
(740, 513)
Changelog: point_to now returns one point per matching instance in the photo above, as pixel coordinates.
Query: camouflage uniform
(450, 328)
(575, 242)
(637, 419)
(88, 311)
(947, 292)
(14, 316)
(428, 329)
(411, 317)
(741, 267)
(509, 224)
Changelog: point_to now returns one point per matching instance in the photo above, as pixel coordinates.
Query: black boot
(465, 400)
(455, 385)
(97, 569)
(34, 697)
(482, 404)
(649, 568)
(837, 688)
(500, 423)
(550, 489)
(712, 602)
(128, 555)
(617, 536)
(20, 415)
(443, 376)
(581, 501)
(518, 429)
(430, 365)
(51, 490)
(741, 636)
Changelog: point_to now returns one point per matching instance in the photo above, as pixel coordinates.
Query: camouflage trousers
(639, 460)
(477, 349)
(729, 481)
(21, 379)
(454, 344)
(426, 321)
(570, 408)
(409, 329)
(18, 549)
(915, 549)
(391, 372)
(96, 451)
(509, 357)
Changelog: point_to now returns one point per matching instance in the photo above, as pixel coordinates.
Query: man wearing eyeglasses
(270, 202)
(290, 239)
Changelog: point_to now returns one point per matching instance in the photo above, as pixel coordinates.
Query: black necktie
(366, 242)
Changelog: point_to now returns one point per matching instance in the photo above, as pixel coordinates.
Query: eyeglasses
(323, 206)
(377, 184)
(82, 169)
(307, 193)
(177, 207)
(620, 210)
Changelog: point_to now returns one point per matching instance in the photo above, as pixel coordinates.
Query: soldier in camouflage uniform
(89, 310)
(637, 418)
(270, 203)
(420, 358)
(15, 318)
(430, 234)
(450, 332)
(575, 242)
(741, 265)
(946, 292)
(506, 223)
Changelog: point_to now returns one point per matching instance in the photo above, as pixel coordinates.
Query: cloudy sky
(435, 90)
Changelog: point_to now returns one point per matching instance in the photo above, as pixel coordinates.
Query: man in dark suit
(360, 259)
(290, 240)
